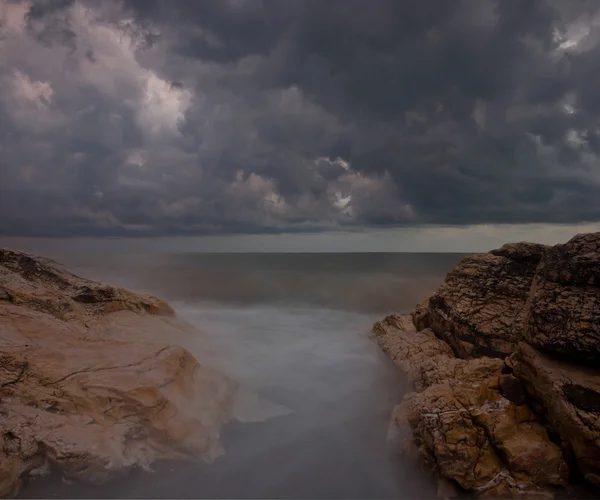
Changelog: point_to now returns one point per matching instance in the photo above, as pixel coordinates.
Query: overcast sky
(213, 117)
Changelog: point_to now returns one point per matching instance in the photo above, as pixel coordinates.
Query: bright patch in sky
(163, 107)
(38, 92)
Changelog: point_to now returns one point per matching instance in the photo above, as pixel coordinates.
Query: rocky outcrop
(563, 313)
(503, 362)
(568, 398)
(467, 420)
(45, 286)
(479, 309)
(416, 353)
(90, 383)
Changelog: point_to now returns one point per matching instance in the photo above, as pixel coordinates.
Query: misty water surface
(294, 329)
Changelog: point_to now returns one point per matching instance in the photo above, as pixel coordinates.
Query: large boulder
(468, 419)
(568, 397)
(91, 382)
(479, 309)
(563, 313)
(506, 426)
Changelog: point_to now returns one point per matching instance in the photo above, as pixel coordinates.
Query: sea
(294, 329)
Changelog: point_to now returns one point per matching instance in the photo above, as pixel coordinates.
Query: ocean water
(293, 328)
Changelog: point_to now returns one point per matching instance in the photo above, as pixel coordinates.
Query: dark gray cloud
(192, 117)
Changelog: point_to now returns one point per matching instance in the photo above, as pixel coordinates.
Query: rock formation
(563, 311)
(567, 396)
(503, 359)
(479, 308)
(468, 418)
(90, 383)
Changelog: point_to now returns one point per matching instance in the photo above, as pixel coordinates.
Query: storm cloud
(156, 117)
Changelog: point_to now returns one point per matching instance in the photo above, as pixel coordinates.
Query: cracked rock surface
(563, 313)
(479, 309)
(89, 383)
(568, 396)
(467, 419)
(503, 360)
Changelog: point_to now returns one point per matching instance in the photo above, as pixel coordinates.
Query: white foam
(249, 407)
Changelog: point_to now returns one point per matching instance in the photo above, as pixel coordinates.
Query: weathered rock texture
(479, 309)
(568, 397)
(504, 362)
(468, 419)
(86, 388)
(563, 313)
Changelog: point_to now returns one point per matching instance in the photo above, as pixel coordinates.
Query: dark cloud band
(186, 117)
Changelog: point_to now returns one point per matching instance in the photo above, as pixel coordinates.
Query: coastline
(486, 353)
(499, 408)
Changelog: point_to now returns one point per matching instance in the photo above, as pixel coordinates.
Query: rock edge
(503, 363)
(86, 390)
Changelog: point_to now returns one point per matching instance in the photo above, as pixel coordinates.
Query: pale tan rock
(569, 397)
(90, 383)
(425, 359)
(414, 352)
(45, 286)
(563, 311)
